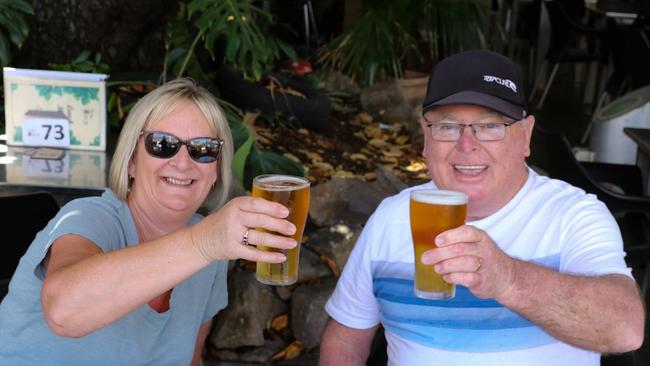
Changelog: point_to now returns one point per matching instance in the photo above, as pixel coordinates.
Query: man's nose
(467, 140)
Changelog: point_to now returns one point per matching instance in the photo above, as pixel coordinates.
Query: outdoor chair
(572, 41)
(619, 186)
(23, 216)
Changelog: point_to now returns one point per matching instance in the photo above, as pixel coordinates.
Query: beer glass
(293, 193)
(432, 212)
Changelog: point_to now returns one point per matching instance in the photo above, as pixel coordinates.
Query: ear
(426, 135)
(132, 168)
(527, 125)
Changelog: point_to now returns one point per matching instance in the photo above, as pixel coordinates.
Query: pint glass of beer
(432, 212)
(292, 192)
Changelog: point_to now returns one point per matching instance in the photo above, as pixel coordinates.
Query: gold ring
(480, 263)
(244, 240)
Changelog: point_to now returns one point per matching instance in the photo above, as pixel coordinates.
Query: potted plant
(389, 32)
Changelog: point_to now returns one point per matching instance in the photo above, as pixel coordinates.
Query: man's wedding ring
(244, 240)
(480, 263)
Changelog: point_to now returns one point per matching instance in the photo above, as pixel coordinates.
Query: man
(539, 266)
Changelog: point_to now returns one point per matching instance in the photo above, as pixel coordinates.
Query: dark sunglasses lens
(162, 145)
(204, 150)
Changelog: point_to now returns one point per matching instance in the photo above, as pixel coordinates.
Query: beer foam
(439, 197)
(274, 182)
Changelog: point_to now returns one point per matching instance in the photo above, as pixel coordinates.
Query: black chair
(619, 186)
(23, 216)
(572, 41)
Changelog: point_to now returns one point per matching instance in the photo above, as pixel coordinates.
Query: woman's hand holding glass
(221, 234)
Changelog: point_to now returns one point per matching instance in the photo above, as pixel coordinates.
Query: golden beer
(293, 193)
(432, 212)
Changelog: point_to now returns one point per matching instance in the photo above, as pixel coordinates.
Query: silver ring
(480, 263)
(244, 240)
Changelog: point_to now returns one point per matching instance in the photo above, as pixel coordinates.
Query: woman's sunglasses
(165, 145)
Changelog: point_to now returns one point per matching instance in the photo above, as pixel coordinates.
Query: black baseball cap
(477, 77)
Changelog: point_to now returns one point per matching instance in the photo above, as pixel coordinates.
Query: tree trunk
(129, 34)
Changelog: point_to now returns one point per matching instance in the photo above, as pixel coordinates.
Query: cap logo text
(505, 82)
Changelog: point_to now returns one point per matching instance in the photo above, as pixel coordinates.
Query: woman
(134, 277)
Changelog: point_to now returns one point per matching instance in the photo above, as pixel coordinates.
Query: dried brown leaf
(389, 159)
(290, 352)
(402, 139)
(358, 156)
(344, 174)
(331, 264)
(322, 165)
(280, 322)
(365, 117)
(393, 152)
(377, 142)
(291, 157)
(313, 156)
(373, 131)
(416, 166)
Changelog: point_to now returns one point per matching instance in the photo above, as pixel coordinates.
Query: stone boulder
(251, 307)
(308, 316)
(335, 242)
(351, 201)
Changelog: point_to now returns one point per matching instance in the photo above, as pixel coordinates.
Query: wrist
(511, 280)
(197, 244)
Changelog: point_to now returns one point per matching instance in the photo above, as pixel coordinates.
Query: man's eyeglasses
(452, 131)
(165, 145)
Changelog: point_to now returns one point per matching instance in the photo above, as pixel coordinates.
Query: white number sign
(44, 131)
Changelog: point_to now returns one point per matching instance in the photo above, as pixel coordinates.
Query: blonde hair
(155, 106)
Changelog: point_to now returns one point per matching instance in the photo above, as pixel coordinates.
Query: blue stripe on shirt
(464, 323)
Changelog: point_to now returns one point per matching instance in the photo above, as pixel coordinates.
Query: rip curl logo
(505, 82)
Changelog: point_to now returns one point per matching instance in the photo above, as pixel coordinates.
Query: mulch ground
(351, 145)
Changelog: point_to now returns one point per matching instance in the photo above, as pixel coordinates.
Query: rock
(335, 242)
(263, 354)
(351, 201)
(385, 101)
(335, 81)
(308, 316)
(252, 306)
(311, 266)
(284, 292)
(388, 181)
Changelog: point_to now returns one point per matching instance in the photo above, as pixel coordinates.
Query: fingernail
(440, 240)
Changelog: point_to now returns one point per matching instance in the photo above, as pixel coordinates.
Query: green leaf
(20, 6)
(269, 162)
(5, 53)
(240, 157)
(83, 56)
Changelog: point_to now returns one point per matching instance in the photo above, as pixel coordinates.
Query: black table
(77, 173)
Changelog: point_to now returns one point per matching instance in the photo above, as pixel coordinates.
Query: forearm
(342, 345)
(94, 292)
(603, 313)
